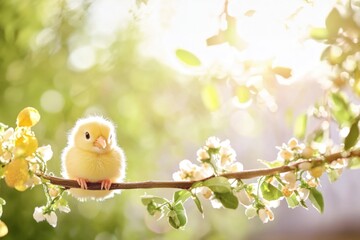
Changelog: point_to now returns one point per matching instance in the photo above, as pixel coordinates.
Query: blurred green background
(58, 57)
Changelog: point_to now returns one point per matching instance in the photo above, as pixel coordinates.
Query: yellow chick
(92, 155)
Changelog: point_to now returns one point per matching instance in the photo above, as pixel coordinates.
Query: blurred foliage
(150, 104)
(52, 60)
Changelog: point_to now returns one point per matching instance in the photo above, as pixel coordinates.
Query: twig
(246, 174)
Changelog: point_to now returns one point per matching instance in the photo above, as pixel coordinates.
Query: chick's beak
(100, 142)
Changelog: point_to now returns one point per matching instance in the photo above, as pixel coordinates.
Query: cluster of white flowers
(40, 214)
(216, 157)
(254, 206)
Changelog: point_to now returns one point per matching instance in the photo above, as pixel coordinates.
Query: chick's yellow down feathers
(92, 155)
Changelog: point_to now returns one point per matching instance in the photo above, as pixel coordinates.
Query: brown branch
(246, 174)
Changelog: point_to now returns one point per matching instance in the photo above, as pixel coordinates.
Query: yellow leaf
(28, 117)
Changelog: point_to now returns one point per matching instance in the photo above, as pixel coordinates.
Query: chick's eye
(87, 135)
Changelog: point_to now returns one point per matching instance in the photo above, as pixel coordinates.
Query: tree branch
(246, 174)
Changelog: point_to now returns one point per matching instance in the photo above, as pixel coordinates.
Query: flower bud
(3, 229)
(53, 192)
(28, 117)
(206, 192)
(316, 172)
(243, 197)
(250, 212)
(290, 177)
(308, 152)
(305, 166)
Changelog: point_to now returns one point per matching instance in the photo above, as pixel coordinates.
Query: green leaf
(316, 199)
(210, 97)
(152, 208)
(319, 33)
(354, 163)
(300, 126)
(292, 201)
(187, 57)
(270, 192)
(285, 72)
(198, 203)
(218, 184)
(340, 109)
(177, 216)
(243, 94)
(303, 204)
(227, 199)
(353, 135)
(333, 22)
(146, 199)
(273, 164)
(333, 175)
(317, 136)
(181, 196)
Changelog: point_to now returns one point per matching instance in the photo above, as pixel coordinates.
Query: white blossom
(7, 134)
(265, 215)
(38, 214)
(227, 153)
(45, 152)
(51, 218)
(215, 203)
(202, 155)
(293, 143)
(190, 171)
(213, 142)
(64, 209)
(234, 167)
(304, 193)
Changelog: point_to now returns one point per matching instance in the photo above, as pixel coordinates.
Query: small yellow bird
(92, 155)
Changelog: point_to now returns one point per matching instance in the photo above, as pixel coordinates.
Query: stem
(246, 174)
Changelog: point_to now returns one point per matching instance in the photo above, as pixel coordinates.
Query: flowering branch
(246, 174)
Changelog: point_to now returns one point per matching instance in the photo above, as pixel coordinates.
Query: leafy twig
(246, 174)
